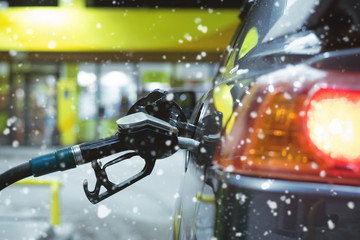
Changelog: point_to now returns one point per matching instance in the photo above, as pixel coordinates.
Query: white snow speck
(229, 168)
(103, 211)
(261, 135)
(160, 172)
(331, 224)
(265, 185)
(135, 210)
(272, 204)
(241, 198)
(314, 165)
(15, 144)
(351, 205)
(197, 20)
(242, 71)
(6, 131)
(51, 44)
(26, 190)
(253, 114)
(11, 121)
(176, 195)
(188, 37)
(287, 96)
(170, 97)
(271, 89)
(13, 53)
(202, 28)
(346, 39)
(268, 111)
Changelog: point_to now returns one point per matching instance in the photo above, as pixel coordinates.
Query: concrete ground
(142, 211)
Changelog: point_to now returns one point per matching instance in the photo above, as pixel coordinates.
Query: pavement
(141, 211)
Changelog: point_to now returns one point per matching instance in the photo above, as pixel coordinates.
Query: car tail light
(296, 125)
(332, 125)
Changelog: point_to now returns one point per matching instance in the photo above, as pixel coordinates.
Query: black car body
(279, 154)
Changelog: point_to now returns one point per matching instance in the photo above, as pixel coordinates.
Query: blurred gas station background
(68, 70)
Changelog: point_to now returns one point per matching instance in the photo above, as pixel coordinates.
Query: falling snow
(11, 121)
(351, 205)
(159, 172)
(272, 205)
(253, 114)
(261, 135)
(331, 224)
(241, 198)
(52, 44)
(103, 211)
(6, 131)
(202, 28)
(15, 144)
(265, 185)
(229, 168)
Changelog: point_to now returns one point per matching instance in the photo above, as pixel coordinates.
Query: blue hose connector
(60, 160)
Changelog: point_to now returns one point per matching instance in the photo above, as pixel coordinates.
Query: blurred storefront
(70, 69)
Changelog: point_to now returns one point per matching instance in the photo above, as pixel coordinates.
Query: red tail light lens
(299, 127)
(332, 125)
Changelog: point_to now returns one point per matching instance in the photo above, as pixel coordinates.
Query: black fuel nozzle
(146, 136)
(155, 127)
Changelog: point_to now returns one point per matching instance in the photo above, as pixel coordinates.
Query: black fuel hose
(15, 174)
(64, 159)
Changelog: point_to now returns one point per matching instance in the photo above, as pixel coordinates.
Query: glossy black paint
(255, 208)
